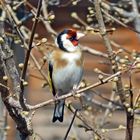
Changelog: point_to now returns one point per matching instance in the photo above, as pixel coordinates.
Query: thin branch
(46, 23)
(130, 114)
(136, 101)
(119, 86)
(45, 14)
(28, 54)
(87, 126)
(113, 43)
(2, 85)
(15, 22)
(137, 16)
(94, 52)
(39, 67)
(108, 110)
(104, 81)
(119, 22)
(72, 121)
(121, 11)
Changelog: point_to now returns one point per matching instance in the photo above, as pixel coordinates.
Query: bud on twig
(115, 79)
(25, 83)
(138, 59)
(74, 15)
(130, 110)
(51, 17)
(138, 66)
(44, 59)
(126, 104)
(100, 77)
(44, 40)
(1, 40)
(74, 2)
(5, 78)
(121, 127)
(21, 65)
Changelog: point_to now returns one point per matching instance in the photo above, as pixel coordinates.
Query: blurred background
(35, 93)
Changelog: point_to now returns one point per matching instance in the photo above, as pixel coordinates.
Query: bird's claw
(74, 90)
(56, 97)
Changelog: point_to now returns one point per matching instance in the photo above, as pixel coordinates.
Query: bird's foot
(55, 97)
(74, 90)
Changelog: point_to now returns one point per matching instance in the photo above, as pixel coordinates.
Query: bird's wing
(50, 80)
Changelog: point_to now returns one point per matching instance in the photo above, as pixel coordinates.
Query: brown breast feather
(59, 62)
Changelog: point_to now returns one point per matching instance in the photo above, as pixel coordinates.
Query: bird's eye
(71, 38)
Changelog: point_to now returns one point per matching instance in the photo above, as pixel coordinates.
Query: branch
(8, 68)
(104, 81)
(107, 43)
(137, 15)
(65, 138)
(46, 23)
(121, 11)
(45, 14)
(130, 113)
(120, 22)
(94, 52)
(87, 126)
(28, 54)
(23, 122)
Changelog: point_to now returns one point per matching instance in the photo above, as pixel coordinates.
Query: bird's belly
(65, 78)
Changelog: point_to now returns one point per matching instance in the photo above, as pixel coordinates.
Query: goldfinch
(65, 65)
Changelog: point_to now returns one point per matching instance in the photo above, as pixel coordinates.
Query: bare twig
(136, 101)
(103, 32)
(87, 126)
(22, 122)
(120, 22)
(39, 67)
(94, 52)
(104, 81)
(28, 54)
(15, 22)
(119, 86)
(137, 15)
(46, 23)
(113, 43)
(107, 111)
(130, 114)
(45, 15)
(70, 124)
(12, 104)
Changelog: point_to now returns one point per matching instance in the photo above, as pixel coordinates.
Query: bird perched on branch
(65, 68)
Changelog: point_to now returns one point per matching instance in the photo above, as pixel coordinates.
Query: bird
(65, 68)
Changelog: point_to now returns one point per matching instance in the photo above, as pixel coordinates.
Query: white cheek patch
(68, 44)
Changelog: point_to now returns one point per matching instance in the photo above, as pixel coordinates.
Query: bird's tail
(58, 111)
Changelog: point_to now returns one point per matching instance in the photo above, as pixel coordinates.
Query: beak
(80, 35)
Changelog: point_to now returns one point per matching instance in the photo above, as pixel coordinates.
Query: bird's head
(68, 39)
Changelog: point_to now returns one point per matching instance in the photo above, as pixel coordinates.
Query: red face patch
(75, 42)
(71, 35)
